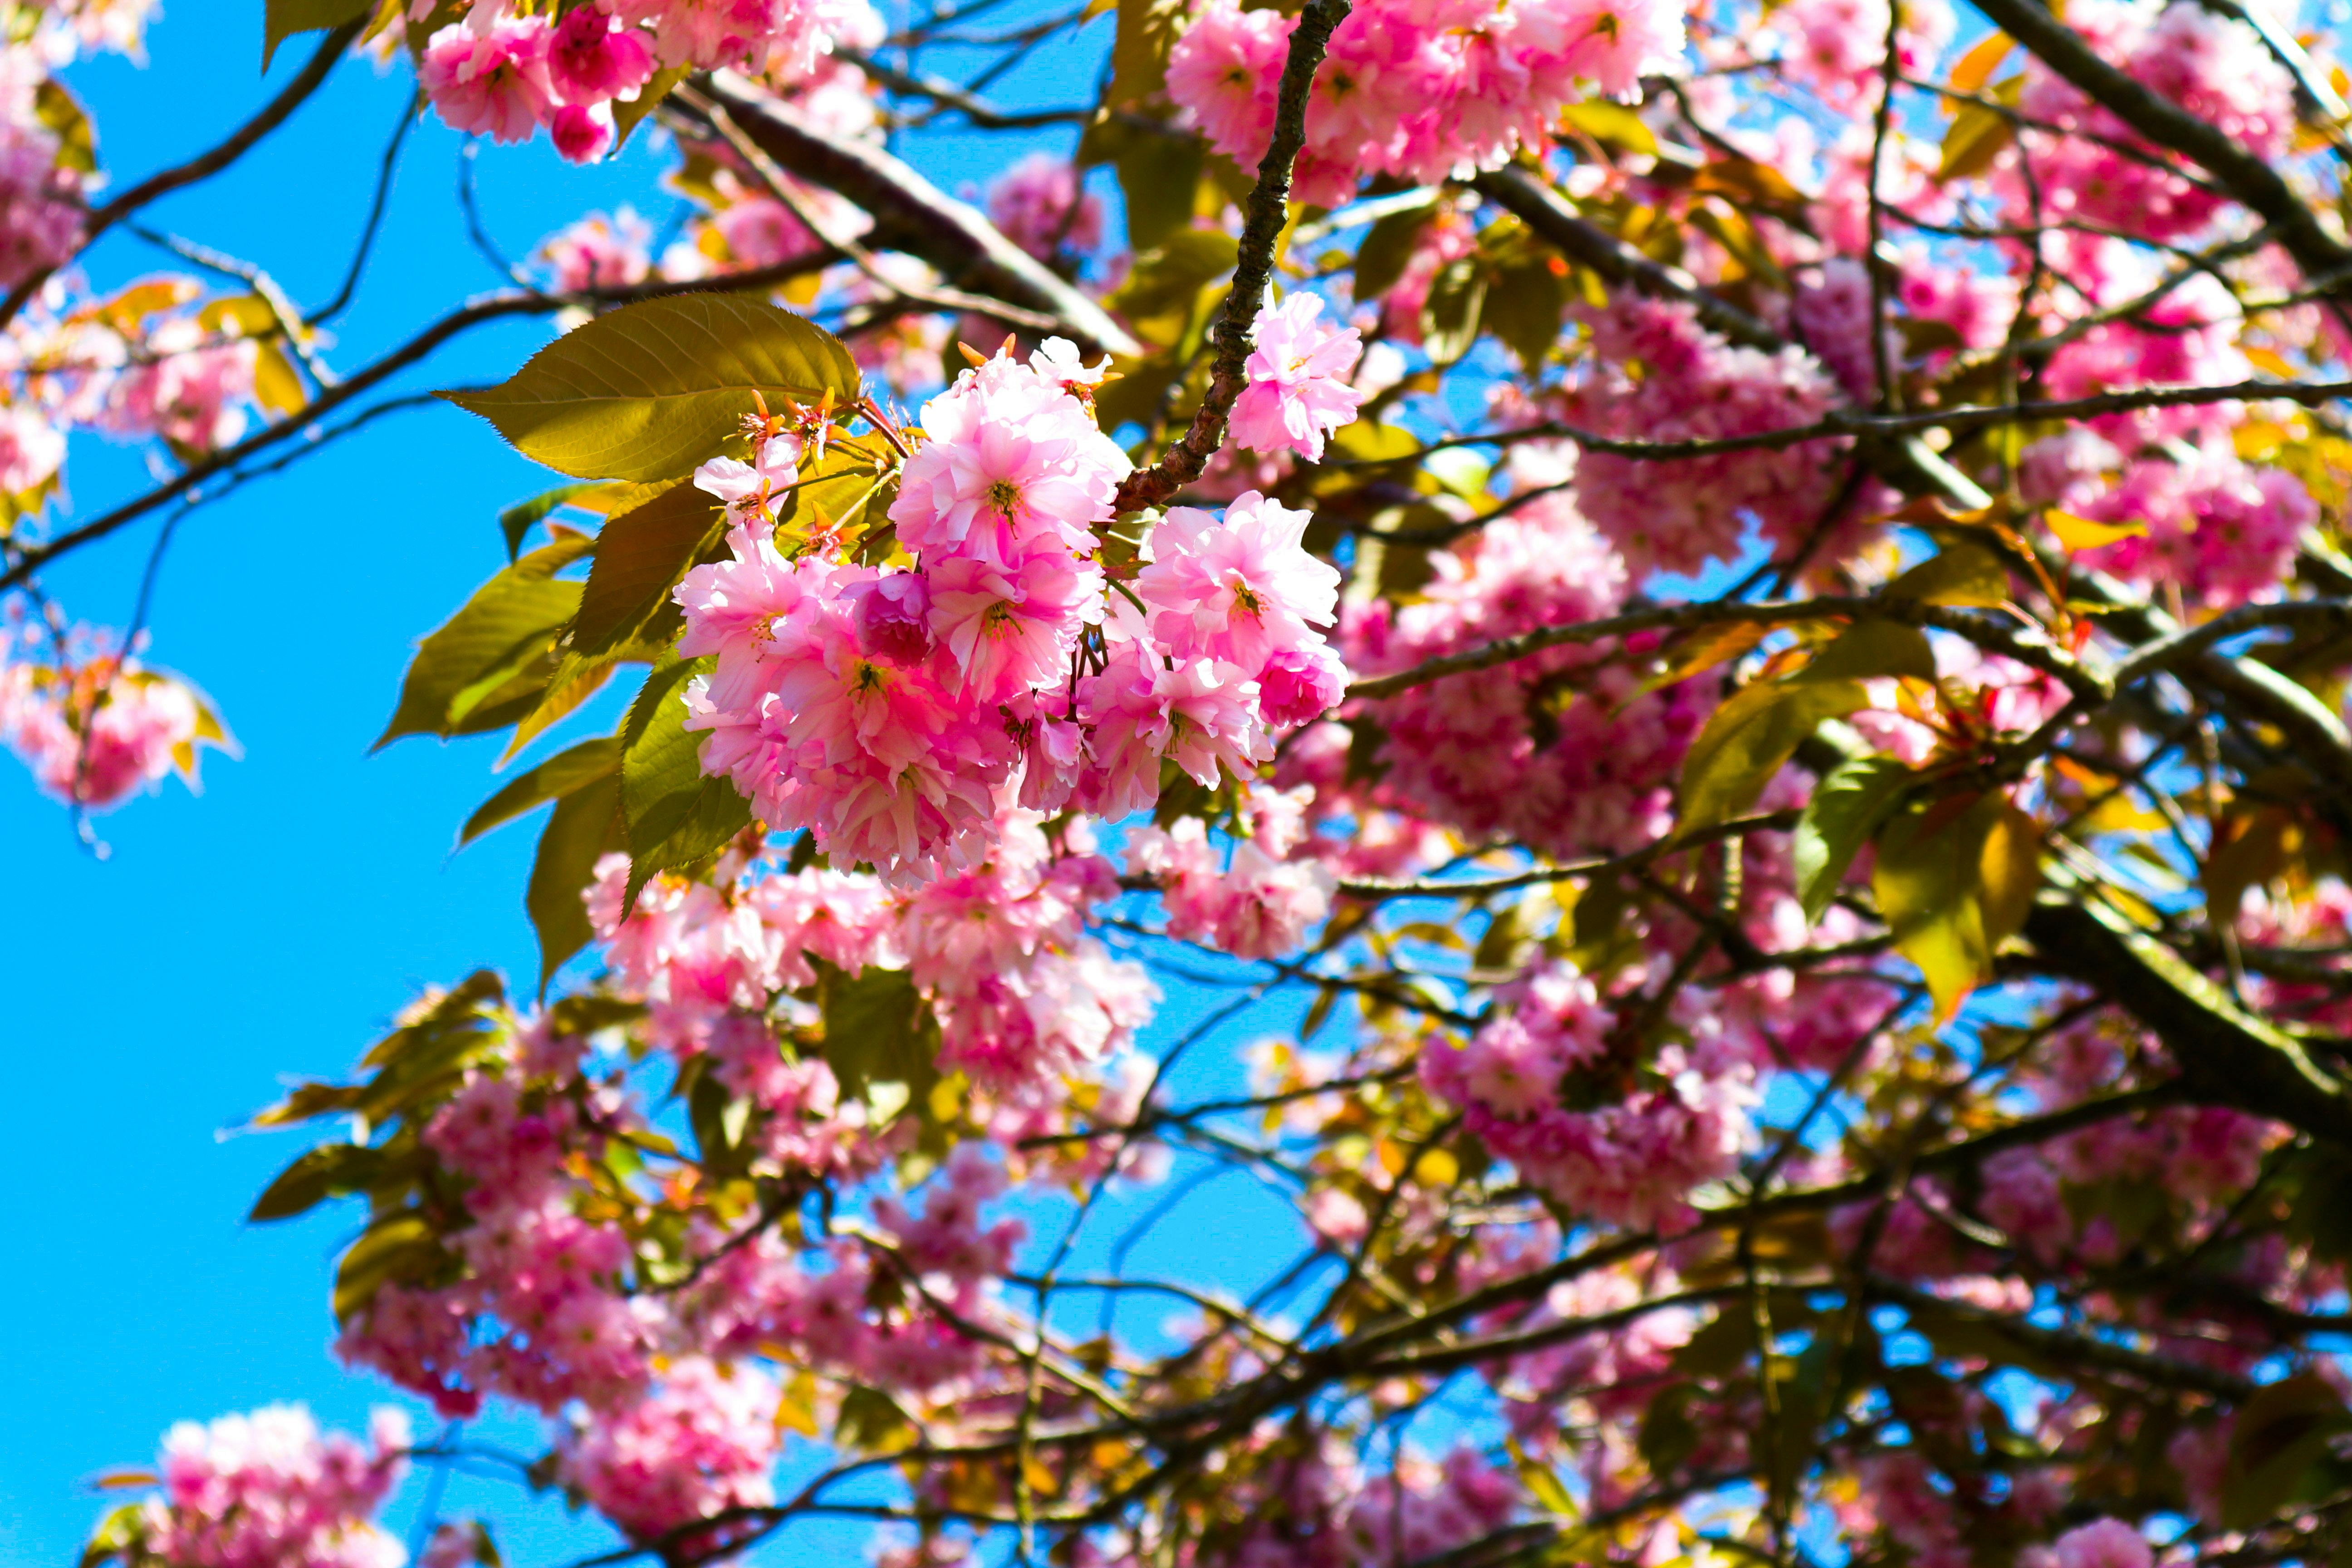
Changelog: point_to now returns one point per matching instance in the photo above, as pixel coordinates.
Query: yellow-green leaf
(1755, 731)
(1976, 137)
(1964, 574)
(1612, 124)
(2086, 533)
(1956, 877)
(651, 390)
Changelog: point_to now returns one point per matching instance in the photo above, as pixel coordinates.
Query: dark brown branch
(2246, 177)
(2227, 1056)
(1268, 211)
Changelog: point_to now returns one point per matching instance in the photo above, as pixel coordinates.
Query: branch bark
(910, 213)
(1268, 211)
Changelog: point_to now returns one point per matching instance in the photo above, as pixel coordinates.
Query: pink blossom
(1299, 684)
(701, 1444)
(1041, 207)
(267, 1489)
(490, 82)
(590, 58)
(1242, 591)
(1296, 395)
(600, 252)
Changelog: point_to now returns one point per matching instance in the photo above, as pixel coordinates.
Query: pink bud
(580, 132)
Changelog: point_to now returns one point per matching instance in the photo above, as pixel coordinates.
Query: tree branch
(1268, 209)
(910, 213)
(164, 182)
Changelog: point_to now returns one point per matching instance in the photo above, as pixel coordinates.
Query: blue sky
(269, 928)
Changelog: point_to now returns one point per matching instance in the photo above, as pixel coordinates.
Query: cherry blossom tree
(1727, 627)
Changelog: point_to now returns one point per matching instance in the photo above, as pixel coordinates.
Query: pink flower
(750, 490)
(1298, 685)
(599, 252)
(1222, 71)
(490, 83)
(1041, 207)
(591, 58)
(1296, 395)
(1240, 590)
(1010, 628)
(1212, 710)
(265, 1489)
(703, 1443)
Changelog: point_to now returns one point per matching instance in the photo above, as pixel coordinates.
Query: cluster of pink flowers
(1259, 906)
(897, 713)
(2223, 530)
(1838, 47)
(2213, 66)
(1415, 88)
(95, 733)
(267, 1489)
(1561, 750)
(998, 950)
(1679, 1117)
(600, 252)
(504, 76)
(1659, 375)
(540, 1316)
(704, 1442)
(1040, 206)
(40, 196)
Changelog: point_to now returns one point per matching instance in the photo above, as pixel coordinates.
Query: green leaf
(584, 826)
(1846, 808)
(628, 115)
(332, 1170)
(1612, 124)
(2280, 1431)
(1166, 280)
(476, 670)
(1451, 314)
(1747, 739)
(399, 1246)
(1387, 249)
(878, 1030)
(1138, 53)
(553, 779)
(674, 815)
(651, 390)
(1870, 649)
(1964, 574)
(1524, 308)
(516, 520)
(573, 682)
(639, 558)
(281, 19)
(1955, 879)
(1976, 137)
(63, 114)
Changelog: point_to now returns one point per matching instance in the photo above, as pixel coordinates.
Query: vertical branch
(1268, 211)
(1875, 263)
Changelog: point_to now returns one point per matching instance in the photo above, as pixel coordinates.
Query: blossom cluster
(266, 1490)
(1678, 1118)
(503, 75)
(1415, 89)
(96, 732)
(896, 711)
